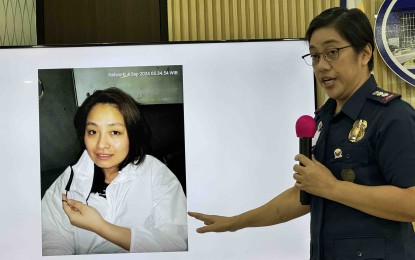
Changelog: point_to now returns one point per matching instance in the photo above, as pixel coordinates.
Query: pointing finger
(198, 216)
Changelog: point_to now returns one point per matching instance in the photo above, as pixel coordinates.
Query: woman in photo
(115, 199)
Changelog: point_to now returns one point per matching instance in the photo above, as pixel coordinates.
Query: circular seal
(338, 153)
(395, 37)
(348, 175)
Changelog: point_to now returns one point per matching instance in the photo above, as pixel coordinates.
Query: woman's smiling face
(106, 137)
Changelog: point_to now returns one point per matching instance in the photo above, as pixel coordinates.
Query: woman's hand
(82, 216)
(214, 223)
(313, 177)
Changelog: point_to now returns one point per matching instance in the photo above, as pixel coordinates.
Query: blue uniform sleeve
(396, 144)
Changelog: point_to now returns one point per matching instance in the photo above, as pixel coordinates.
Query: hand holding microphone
(305, 128)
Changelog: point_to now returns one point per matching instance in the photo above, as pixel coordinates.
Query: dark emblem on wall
(395, 37)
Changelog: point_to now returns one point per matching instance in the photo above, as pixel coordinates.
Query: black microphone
(305, 128)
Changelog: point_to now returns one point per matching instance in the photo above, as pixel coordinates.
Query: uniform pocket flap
(349, 153)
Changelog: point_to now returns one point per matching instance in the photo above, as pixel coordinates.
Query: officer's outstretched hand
(82, 215)
(313, 177)
(213, 223)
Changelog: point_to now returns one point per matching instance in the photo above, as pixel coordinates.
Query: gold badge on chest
(358, 130)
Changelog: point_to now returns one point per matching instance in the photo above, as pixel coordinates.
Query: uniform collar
(354, 104)
(326, 108)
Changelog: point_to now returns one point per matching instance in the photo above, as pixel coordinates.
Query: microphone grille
(305, 127)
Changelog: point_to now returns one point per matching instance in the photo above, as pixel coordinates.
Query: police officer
(361, 176)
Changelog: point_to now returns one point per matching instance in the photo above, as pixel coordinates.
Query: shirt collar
(355, 103)
(84, 169)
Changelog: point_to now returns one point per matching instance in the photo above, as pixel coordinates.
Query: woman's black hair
(133, 119)
(353, 25)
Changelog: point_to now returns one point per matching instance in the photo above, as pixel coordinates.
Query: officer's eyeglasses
(329, 55)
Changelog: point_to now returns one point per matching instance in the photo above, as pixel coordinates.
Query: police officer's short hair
(353, 25)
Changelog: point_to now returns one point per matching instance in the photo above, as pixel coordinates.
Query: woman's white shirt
(146, 198)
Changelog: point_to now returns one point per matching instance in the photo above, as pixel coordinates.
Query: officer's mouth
(328, 82)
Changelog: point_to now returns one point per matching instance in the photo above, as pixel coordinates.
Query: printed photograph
(112, 151)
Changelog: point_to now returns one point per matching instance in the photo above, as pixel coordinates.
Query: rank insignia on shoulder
(384, 97)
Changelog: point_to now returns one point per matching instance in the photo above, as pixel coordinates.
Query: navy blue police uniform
(370, 142)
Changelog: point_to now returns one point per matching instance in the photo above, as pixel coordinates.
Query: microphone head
(305, 127)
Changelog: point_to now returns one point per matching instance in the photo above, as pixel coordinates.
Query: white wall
(241, 103)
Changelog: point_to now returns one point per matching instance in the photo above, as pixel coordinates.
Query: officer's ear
(366, 54)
